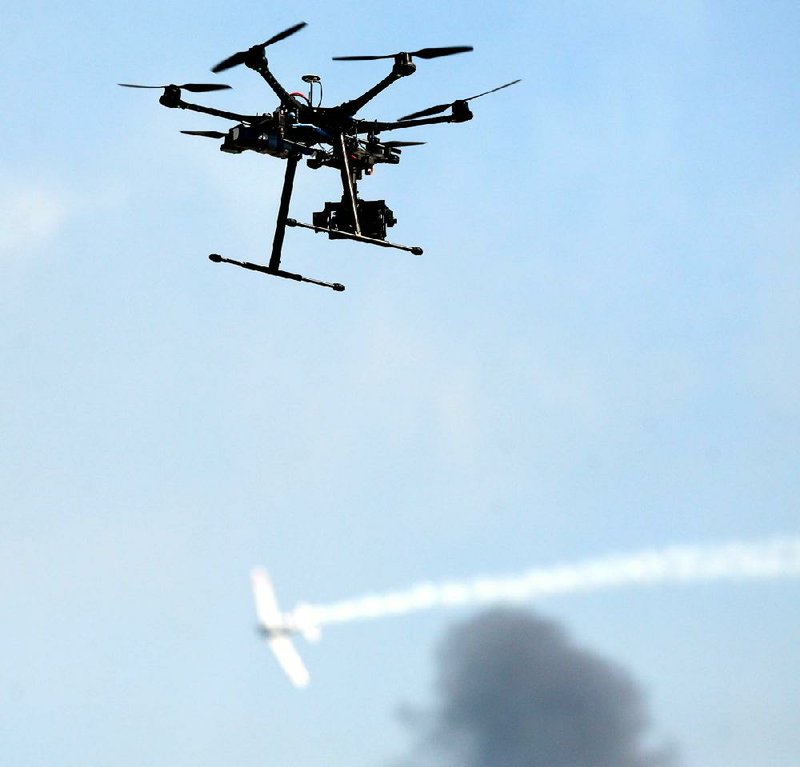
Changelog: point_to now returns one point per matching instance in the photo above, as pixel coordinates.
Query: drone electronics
(326, 136)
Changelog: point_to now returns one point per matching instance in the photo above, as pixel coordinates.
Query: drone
(332, 137)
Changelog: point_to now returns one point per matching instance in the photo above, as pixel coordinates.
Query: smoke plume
(775, 558)
(514, 691)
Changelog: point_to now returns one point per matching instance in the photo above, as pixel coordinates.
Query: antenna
(312, 80)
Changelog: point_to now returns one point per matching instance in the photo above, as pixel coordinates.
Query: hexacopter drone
(326, 136)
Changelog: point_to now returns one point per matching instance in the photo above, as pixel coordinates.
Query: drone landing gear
(348, 219)
(277, 243)
(339, 233)
(217, 259)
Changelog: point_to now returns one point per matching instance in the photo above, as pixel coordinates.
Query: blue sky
(597, 353)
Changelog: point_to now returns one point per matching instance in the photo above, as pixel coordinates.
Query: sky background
(599, 352)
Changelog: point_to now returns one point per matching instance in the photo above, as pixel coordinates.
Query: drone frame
(336, 126)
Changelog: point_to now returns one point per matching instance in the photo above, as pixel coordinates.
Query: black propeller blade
(193, 87)
(238, 58)
(402, 143)
(206, 133)
(443, 107)
(422, 53)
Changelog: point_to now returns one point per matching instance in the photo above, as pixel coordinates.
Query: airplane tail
(310, 631)
(278, 628)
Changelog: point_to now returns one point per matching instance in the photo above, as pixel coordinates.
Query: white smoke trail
(774, 558)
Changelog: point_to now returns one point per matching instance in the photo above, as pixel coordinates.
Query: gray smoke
(514, 691)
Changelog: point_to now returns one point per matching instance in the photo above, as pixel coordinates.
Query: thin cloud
(30, 216)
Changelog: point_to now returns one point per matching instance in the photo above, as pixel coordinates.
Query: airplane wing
(290, 660)
(269, 615)
(274, 623)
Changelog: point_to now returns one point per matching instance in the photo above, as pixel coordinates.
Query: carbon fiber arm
(181, 104)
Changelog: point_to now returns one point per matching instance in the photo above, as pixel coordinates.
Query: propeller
(193, 87)
(402, 143)
(443, 107)
(239, 58)
(422, 53)
(206, 133)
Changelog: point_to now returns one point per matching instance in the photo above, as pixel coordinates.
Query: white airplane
(278, 628)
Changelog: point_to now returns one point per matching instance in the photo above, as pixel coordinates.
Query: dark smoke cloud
(514, 691)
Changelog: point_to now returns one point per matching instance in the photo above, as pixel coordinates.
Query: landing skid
(217, 259)
(337, 233)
